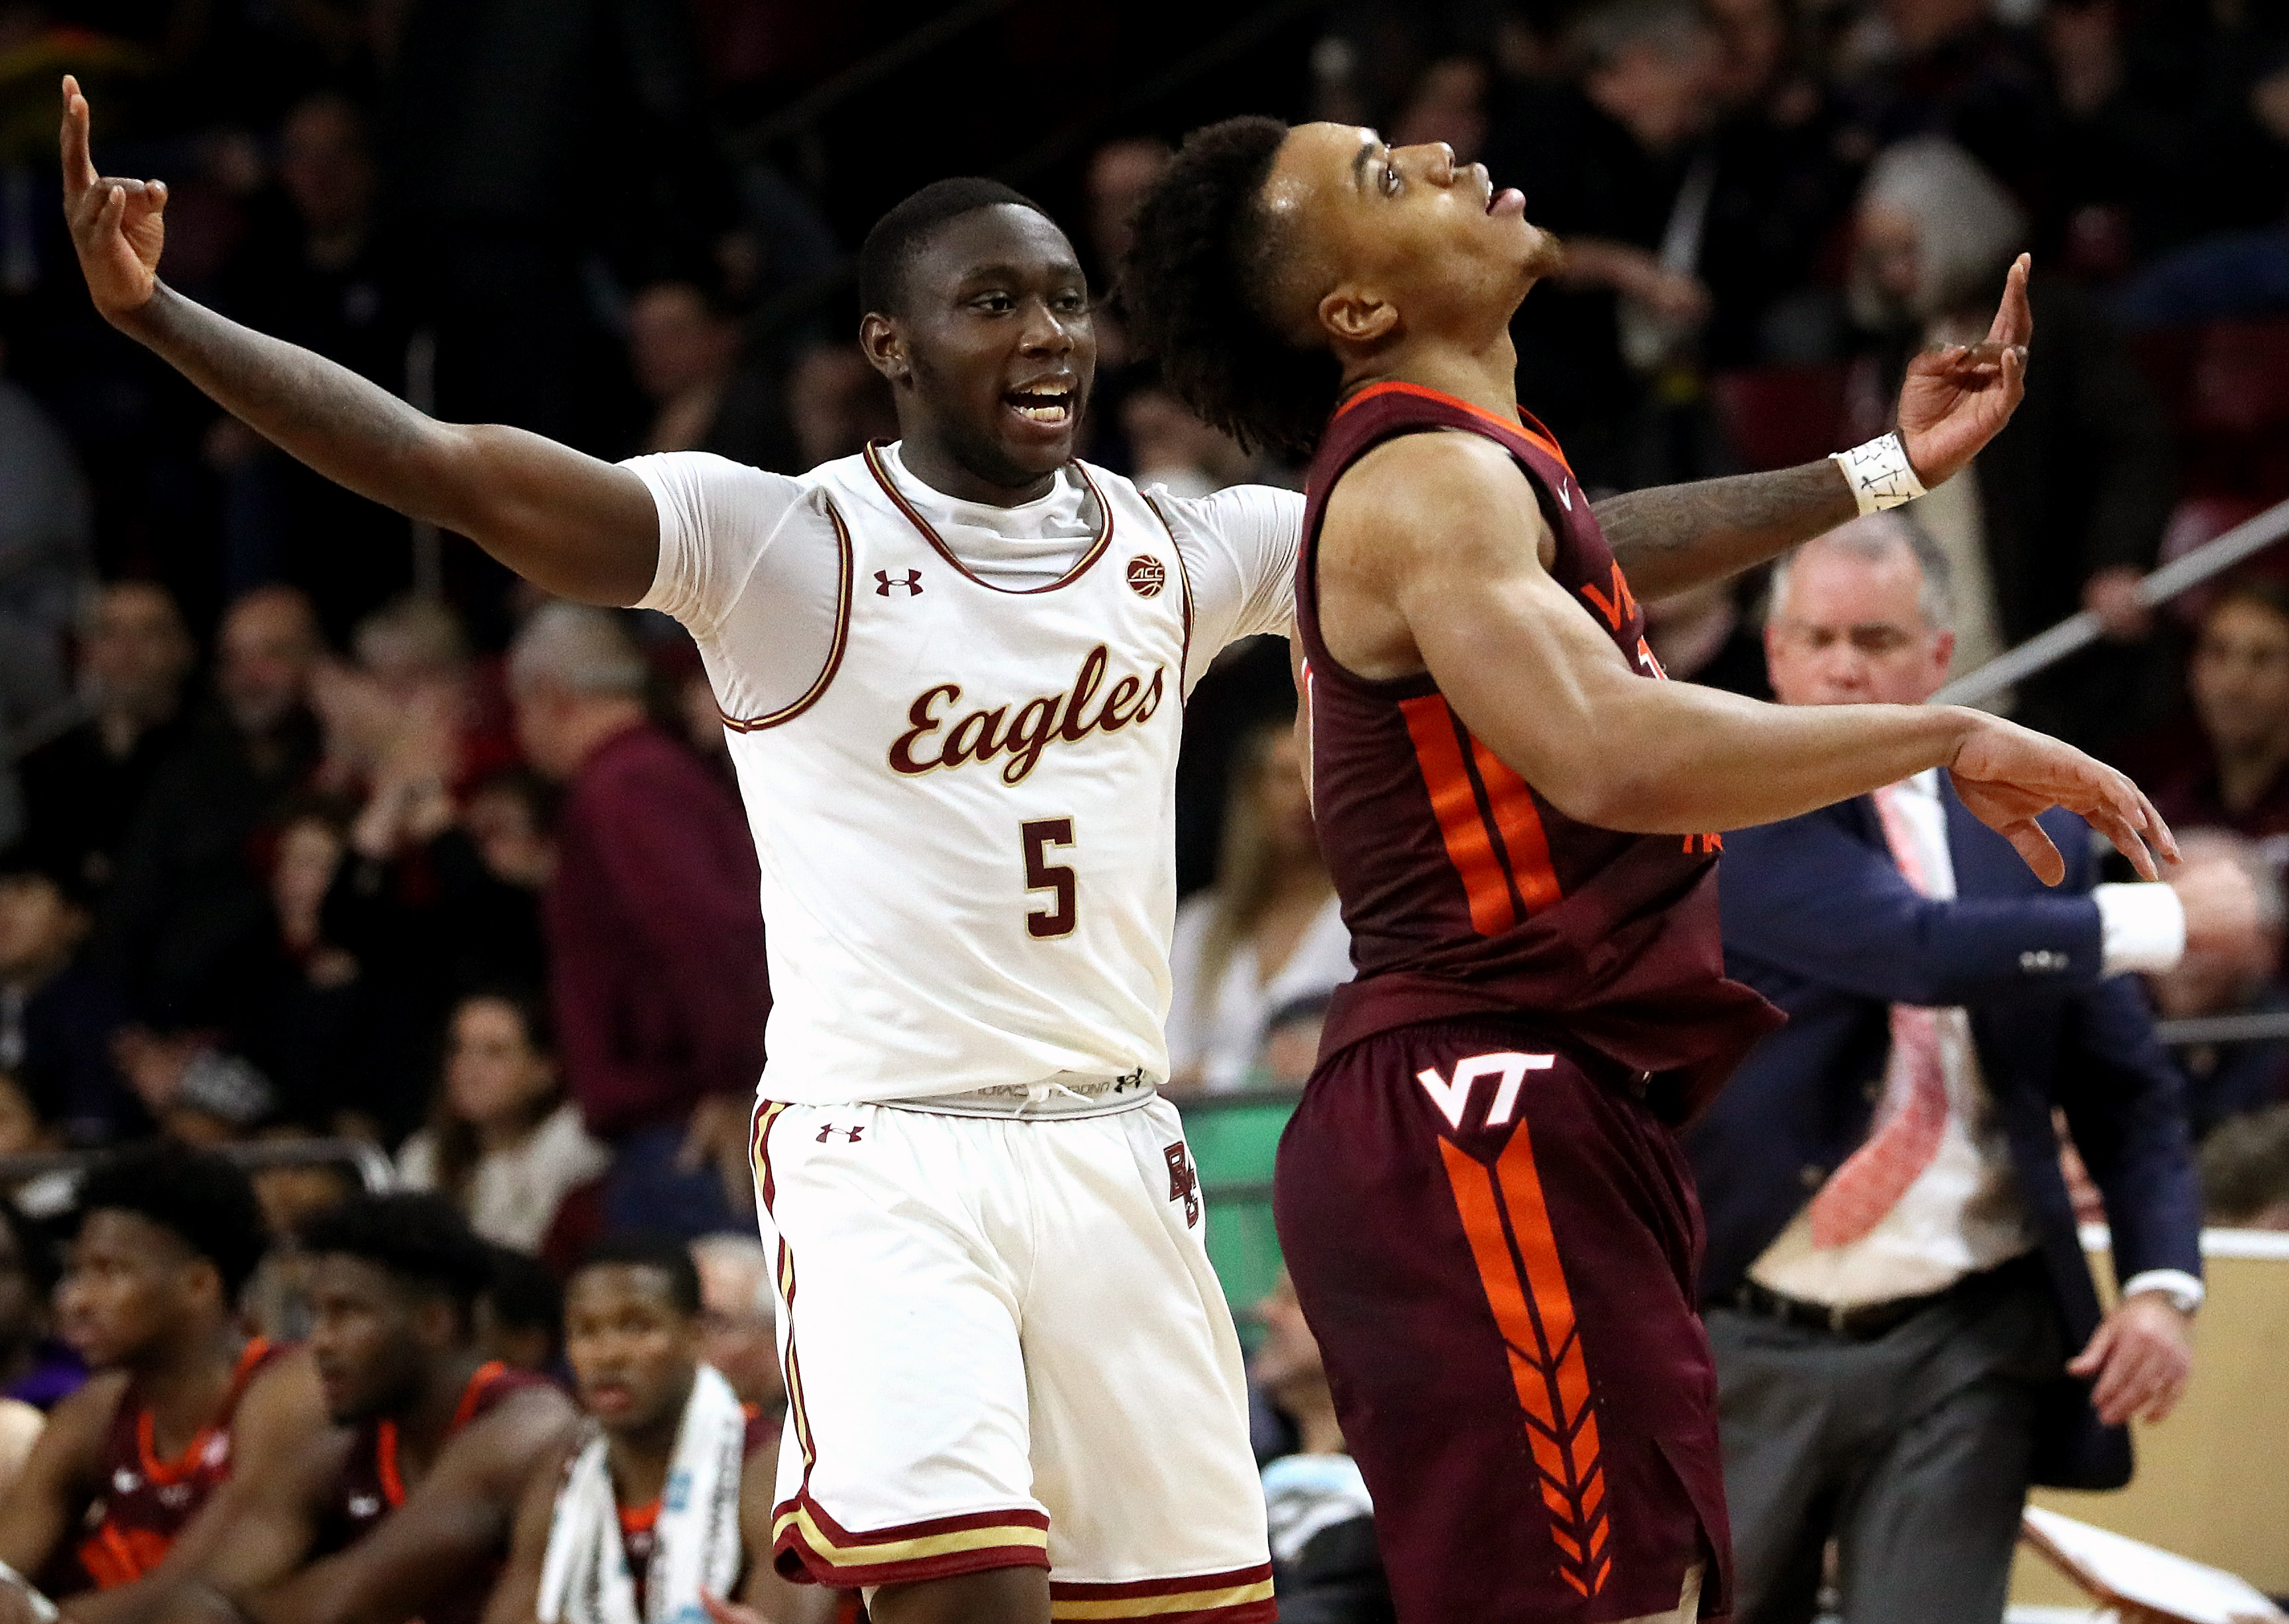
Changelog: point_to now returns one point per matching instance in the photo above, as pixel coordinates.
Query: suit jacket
(1819, 919)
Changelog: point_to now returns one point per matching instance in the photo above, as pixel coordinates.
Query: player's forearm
(351, 430)
(1673, 538)
(1676, 758)
(580, 528)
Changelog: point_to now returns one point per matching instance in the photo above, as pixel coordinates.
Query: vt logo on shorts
(910, 583)
(1184, 1181)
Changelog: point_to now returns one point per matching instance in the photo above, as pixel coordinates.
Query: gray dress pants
(1910, 1449)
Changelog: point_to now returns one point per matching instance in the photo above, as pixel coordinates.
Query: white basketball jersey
(965, 828)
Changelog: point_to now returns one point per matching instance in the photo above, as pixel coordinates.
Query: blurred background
(280, 843)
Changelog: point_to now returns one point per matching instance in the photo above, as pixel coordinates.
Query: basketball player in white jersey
(953, 670)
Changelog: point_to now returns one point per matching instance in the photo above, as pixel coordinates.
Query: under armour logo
(1452, 1096)
(884, 580)
(850, 1134)
(1184, 1181)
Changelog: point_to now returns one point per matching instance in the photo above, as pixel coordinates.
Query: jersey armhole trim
(826, 678)
(1185, 579)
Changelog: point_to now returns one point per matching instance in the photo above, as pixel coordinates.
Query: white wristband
(1880, 473)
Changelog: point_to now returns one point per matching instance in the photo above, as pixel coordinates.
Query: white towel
(585, 1578)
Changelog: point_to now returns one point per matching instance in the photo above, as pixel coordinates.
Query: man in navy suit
(1906, 1331)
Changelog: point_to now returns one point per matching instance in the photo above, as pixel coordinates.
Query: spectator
(36, 1367)
(2064, 509)
(314, 273)
(58, 1017)
(1892, 1259)
(838, 403)
(1268, 933)
(503, 1140)
(82, 788)
(46, 557)
(2229, 978)
(1326, 1568)
(340, 1035)
(2239, 678)
(1169, 447)
(683, 347)
(187, 924)
(2245, 1172)
(654, 930)
(1606, 163)
(1951, 70)
(739, 1318)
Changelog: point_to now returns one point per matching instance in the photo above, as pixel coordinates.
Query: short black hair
(524, 1296)
(650, 1250)
(899, 235)
(421, 1239)
(1196, 284)
(203, 1199)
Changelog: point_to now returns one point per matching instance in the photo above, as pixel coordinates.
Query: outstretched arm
(1431, 552)
(576, 526)
(1954, 400)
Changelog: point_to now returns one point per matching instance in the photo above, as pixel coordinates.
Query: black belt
(1863, 1322)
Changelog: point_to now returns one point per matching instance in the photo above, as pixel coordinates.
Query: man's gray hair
(740, 1252)
(1968, 227)
(1876, 538)
(573, 647)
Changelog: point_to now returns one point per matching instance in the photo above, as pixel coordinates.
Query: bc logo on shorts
(1183, 1183)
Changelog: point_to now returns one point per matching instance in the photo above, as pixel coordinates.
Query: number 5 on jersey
(1056, 877)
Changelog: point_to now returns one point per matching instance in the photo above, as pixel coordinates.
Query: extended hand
(730, 1612)
(2008, 777)
(1958, 397)
(2142, 1356)
(117, 227)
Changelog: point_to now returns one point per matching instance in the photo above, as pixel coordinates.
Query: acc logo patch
(1147, 576)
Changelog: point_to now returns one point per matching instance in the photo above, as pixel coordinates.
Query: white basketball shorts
(1004, 1347)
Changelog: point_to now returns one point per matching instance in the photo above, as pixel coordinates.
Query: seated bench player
(664, 1507)
(165, 1239)
(401, 1508)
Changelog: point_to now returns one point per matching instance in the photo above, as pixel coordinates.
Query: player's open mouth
(1050, 407)
(1510, 200)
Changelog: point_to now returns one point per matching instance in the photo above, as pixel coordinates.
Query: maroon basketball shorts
(1495, 1242)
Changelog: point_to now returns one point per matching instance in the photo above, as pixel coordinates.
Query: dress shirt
(1964, 1214)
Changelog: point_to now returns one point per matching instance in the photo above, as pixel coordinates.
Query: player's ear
(1354, 315)
(885, 346)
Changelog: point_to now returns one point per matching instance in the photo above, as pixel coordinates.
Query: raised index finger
(2015, 321)
(79, 169)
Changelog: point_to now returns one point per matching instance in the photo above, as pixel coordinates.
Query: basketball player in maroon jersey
(1489, 1222)
(166, 1240)
(402, 1508)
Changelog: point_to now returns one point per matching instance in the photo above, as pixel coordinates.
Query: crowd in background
(318, 826)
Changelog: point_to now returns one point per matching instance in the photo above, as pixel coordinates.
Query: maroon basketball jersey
(1466, 892)
(146, 1500)
(369, 1487)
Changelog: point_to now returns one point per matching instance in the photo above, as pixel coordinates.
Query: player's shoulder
(1411, 489)
(720, 483)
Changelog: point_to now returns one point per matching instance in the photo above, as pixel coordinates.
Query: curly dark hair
(1195, 285)
(205, 1200)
